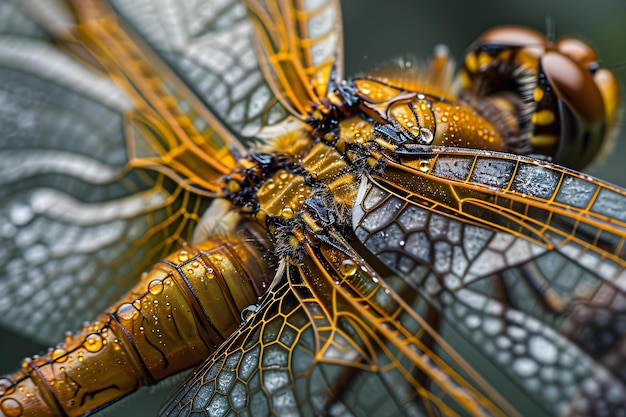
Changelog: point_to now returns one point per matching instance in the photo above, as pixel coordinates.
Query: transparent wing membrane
(209, 44)
(531, 299)
(331, 336)
(299, 47)
(76, 218)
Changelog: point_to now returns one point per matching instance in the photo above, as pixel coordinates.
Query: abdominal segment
(173, 319)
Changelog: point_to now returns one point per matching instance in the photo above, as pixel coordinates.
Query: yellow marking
(385, 144)
(543, 117)
(261, 215)
(484, 60)
(543, 140)
(377, 91)
(233, 186)
(505, 55)
(538, 94)
(311, 223)
(293, 241)
(471, 63)
(341, 145)
(287, 213)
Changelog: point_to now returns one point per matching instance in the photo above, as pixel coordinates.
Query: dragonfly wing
(209, 44)
(331, 338)
(251, 370)
(533, 280)
(80, 220)
(299, 45)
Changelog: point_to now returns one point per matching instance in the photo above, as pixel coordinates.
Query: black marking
(48, 387)
(130, 339)
(495, 48)
(321, 210)
(347, 91)
(192, 292)
(422, 151)
(263, 159)
(392, 132)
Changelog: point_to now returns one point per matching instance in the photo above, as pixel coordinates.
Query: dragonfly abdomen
(173, 319)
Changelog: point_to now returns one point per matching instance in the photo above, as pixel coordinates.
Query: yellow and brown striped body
(568, 105)
(175, 317)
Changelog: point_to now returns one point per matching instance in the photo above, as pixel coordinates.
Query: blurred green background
(375, 31)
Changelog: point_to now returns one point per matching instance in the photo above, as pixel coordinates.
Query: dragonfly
(348, 321)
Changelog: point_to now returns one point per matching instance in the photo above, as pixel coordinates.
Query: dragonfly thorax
(279, 187)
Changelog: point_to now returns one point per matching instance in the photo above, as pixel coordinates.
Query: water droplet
(10, 408)
(26, 364)
(20, 214)
(93, 343)
(59, 355)
(38, 361)
(248, 312)
(183, 256)
(424, 166)
(6, 387)
(525, 367)
(347, 268)
(155, 287)
(127, 311)
(426, 135)
(195, 264)
(80, 357)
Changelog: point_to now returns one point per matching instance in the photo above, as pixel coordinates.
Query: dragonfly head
(569, 104)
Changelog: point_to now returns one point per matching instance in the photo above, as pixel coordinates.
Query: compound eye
(574, 85)
(579, 51)
(609, 88)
